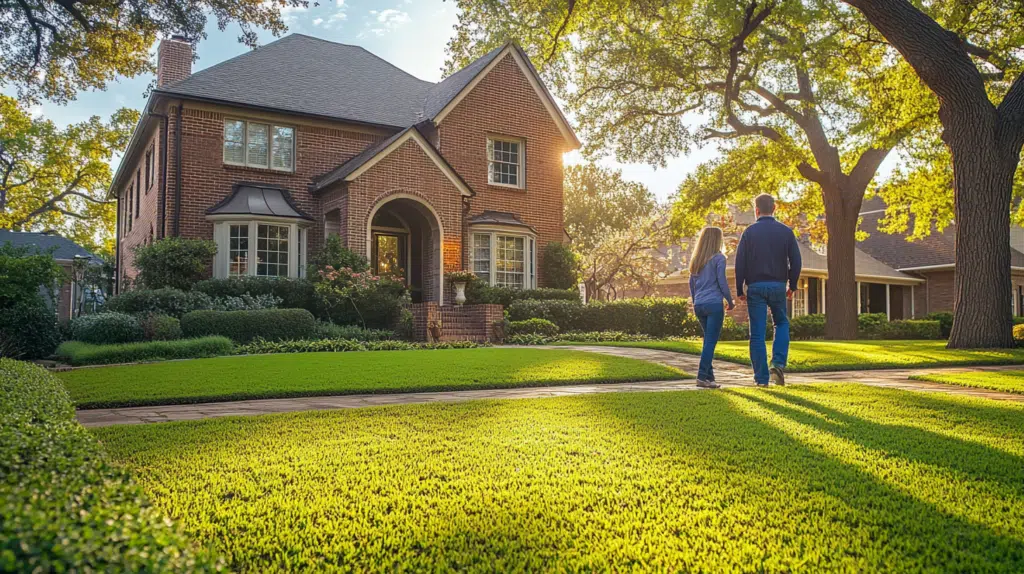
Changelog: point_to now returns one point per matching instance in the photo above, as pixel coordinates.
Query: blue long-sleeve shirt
(768, 252)
(709, 285)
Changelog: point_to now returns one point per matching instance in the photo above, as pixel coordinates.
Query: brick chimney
(173, 61)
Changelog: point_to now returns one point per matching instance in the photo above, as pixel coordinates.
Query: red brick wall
(145, 220)
(505, 104)
(174, 61)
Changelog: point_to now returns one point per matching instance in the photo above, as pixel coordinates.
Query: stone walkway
(730, 375)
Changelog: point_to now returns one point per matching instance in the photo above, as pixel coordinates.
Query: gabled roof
(935, 250)
(43, 242)
(258, 199)
(355, 167)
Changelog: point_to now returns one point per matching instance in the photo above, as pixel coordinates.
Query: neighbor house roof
(258, 199)
(43, 242)
(935, 250)
(864, 265)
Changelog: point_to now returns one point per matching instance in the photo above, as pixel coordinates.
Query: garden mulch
(727, 374)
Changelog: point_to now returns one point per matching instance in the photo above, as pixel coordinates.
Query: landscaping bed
(810, 478)
(316, 374)
(1005, 381)
(815, 356)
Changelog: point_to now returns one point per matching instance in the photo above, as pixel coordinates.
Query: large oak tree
(54, 48)
(806, 94)
(971, 55)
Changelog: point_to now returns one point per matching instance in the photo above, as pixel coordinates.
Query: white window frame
(271, 128)
(298, 247)
(520, 166)
(529, 253)
(800, 299)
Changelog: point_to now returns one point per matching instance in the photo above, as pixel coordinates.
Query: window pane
(503, 166)
(234, 141)
(272, 250)
(482, 256)
(283, 156)
(238, 250)
(258, 144)
(510, 261)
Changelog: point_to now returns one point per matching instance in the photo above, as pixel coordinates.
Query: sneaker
(761, 385)
(707, 384)
(778, 376)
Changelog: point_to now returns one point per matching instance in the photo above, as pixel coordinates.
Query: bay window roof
(255, 200)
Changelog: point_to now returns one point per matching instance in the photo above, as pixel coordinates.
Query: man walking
(768, 261)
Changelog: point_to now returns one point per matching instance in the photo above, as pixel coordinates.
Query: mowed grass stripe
(316, 374)
(809, 478)
(1005, 381)
(818, 356)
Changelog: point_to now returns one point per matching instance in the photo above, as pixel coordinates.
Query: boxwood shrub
(327, 330)
(535, 326)
(658, 317)
(78, 353)
(945, 319)
(166, 301)
(908, 329)
(106, 328)
(244, 326)
(160, 327)
(807, 327)
(63, 506)
(28, 331)
(293, 293)
(261, 347)
(478, 292)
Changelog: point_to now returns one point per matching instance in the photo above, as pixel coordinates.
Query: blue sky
(412, 34)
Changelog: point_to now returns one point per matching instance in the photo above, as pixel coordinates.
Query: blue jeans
(760, 298)
(710, 316)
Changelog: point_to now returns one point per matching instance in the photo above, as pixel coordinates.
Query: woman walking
(707, 289)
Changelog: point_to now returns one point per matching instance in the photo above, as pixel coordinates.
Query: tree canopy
(57, 178)
(54, 48)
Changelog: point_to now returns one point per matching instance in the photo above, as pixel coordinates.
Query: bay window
(260, 248)
(256, 144)
(504, 259)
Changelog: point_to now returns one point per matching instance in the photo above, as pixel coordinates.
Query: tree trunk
(983, 183)
(841, 288)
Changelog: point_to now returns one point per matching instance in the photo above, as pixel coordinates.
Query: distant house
(899, 278)
(270, 152)
(65, 252)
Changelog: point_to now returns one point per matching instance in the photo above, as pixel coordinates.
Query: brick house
(902, 279)
(269, 152)
(71, 294)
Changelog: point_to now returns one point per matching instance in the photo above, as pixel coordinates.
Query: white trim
(297, 230)
(545, 97)
(440, 229)
(888, 312)
(529, 251)
(913, 315)
(928, 267)
(241, 217)
(426, 147)
(520, 164)
(270, 144)
(502, 228)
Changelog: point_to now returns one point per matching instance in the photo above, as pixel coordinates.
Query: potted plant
(460, 279)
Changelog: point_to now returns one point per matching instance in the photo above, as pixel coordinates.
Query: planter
(460, 292)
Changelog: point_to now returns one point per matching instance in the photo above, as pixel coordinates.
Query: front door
(390, 254)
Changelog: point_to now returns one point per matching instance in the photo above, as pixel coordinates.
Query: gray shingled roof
(43, 242)
(307, 75)
(864, 264)
(258, 199)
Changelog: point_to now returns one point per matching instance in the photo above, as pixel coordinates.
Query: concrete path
(730, 375)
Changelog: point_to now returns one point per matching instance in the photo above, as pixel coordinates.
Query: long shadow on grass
(875, 524)
(970, 460)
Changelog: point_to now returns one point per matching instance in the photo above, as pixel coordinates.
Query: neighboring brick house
(64, 252)
(269, 152)
(904, 279)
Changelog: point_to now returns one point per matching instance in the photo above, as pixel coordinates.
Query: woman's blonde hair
(708, 244)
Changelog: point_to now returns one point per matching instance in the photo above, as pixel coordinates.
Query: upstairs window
(149, 168)
(505, 162)
(255, 144)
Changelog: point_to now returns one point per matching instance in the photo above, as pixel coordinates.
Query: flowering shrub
(348, 297)
(462, 276)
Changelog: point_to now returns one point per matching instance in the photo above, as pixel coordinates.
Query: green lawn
(1006, 381)
(313, 374)
(810, 356)
(810, 478)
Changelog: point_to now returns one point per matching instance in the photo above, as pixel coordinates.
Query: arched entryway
(405, 238)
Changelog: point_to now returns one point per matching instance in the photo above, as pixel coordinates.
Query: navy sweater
(768, 252)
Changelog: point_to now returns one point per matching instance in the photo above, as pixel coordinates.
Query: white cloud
(318, 21)
(341, 3)
(387, 20)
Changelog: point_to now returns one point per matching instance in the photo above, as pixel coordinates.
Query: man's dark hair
(765, 204)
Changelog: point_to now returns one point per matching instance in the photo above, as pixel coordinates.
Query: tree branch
(558, 33)
(1011, 114)
(867, 165)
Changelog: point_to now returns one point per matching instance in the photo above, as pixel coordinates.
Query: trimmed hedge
(63, 506)
(908, 329)
(945, 319)
(807, 327)
(78, 353)
(541, 327)
(160, 328)
(293, 293)
(658, 317)
(245, 326)
(261, 347)
(478, 292)
(28, 331)
(166, 301)
(106, 328)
